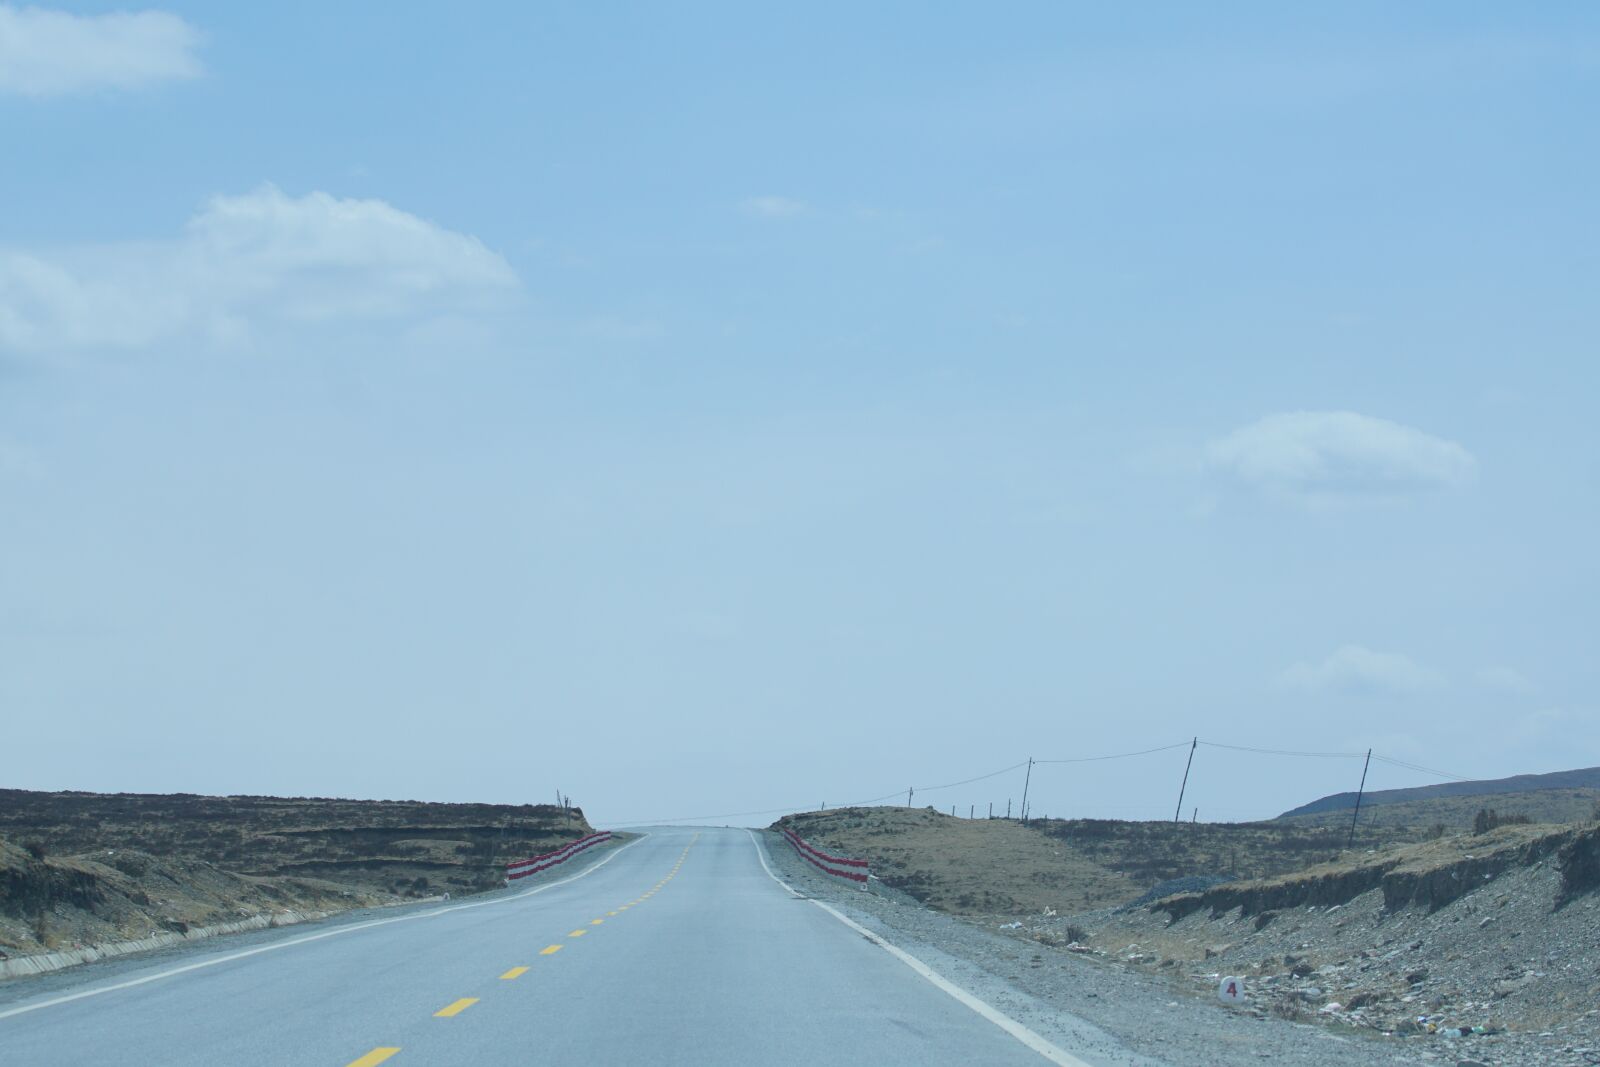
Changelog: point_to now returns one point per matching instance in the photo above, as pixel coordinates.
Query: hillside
(1455, 813)
(982, 867)
(1586, 779)
(84, 868)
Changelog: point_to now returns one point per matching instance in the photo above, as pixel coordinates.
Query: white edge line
(988, 1011)
(53, 1002)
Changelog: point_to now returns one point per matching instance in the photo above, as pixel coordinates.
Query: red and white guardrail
(535, 864)
(855, 870)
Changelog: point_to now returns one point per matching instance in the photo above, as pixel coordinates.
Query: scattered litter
(1011, 926)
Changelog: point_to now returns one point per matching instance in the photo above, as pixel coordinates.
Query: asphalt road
(678, 948)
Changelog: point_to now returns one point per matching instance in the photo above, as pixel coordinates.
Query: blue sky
(715, 409)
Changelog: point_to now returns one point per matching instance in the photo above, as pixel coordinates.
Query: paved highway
(678, 948)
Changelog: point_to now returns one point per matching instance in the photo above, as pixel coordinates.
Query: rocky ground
(1487, 947)
(1476, 948)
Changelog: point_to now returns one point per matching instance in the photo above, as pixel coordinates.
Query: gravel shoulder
(1096, 1009)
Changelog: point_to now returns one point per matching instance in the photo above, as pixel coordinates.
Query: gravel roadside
(1101, 1012)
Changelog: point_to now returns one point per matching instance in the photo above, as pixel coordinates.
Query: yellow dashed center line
(373, 1058)
(383, 1052)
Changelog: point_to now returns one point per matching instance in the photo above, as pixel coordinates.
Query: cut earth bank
(1395, 951)
(86, 875)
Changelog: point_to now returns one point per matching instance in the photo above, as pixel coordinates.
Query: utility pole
(1008, 807)
(1357, 813)
(909, 791)
(970, 809)
(1025, 782)
(1192, 746)
(991, 809)
(1196, 816)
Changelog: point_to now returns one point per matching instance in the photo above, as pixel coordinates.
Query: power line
(1078, 759)
(966, 781)
(1119, 755)
(1424, 770)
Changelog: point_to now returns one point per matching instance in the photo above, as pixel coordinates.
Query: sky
(706, 409)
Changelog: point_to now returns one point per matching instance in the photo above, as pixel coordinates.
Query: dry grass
(984, 867)
(966, 866)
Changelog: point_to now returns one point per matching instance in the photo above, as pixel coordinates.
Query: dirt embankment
(83, 869)
(1498, 931)
(1429, 875)
(1000, 867)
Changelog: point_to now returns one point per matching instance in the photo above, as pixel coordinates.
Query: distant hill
(1585, 779)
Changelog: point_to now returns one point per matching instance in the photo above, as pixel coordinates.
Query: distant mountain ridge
(1586, 778)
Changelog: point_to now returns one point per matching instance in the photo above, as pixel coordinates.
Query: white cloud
(246, 261)
(49, 53)
(1338, 454)
(772, 207)
(1505, 679)
(1354, 668)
